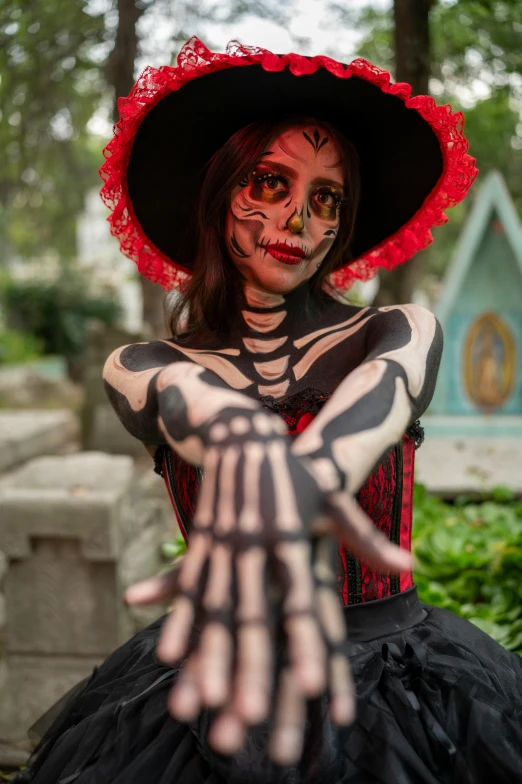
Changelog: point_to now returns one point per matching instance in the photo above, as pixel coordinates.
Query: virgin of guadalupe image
(490, 367)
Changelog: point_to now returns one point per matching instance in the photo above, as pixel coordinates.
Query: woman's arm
(251, 530)
(136, 378)
(373, 406)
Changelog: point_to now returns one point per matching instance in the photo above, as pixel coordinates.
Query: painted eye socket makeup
(325, 203)
(268, 186)
(327, 198)
(271, 181)
(271, 186)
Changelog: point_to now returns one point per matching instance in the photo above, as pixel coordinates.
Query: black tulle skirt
(438, 701)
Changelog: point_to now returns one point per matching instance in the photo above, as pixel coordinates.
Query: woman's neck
(265, 312)
(263, 319)
(259, 298)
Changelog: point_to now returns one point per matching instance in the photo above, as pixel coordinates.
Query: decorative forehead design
(310, 145)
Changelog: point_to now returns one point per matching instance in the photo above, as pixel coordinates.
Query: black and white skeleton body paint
(380, 363)
(258, 503)
(262, 498)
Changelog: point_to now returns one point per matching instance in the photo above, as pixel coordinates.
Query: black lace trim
(309, 401)
(159, 454)
(416, 433)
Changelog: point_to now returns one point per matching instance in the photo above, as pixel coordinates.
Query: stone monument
(75, 531)
(101, 428)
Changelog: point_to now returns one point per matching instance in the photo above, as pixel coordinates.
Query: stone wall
(3, 615)
(75, 530)
(27, 434)
(101, 428)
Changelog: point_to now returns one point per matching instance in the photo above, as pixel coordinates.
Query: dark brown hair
(208, 301)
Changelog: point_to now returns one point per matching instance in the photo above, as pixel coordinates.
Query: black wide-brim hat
(412, 153)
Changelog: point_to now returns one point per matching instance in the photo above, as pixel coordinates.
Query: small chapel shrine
(479, 389)
(474, 423)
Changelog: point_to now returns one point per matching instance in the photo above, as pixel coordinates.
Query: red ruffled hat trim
(195, 60)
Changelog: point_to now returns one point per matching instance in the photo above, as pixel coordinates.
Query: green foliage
(470, 38)
(470, 35)
(174, 549)
(376, 24)
(16, 346)
(57, 312)
(472, 41)
(58, 66)
(51, 83)
(469, 560)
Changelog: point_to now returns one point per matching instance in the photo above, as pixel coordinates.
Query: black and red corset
(386, 497)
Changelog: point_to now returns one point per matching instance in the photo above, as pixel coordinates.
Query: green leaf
(174, 549)
(469, 560)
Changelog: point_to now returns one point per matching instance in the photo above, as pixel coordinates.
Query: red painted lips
(286, 253)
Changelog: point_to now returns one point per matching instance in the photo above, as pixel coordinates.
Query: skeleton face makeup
(284, 217)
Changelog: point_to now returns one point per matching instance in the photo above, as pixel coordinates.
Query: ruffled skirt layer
(437, 701)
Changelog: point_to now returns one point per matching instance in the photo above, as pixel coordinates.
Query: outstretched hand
(249, 568)
(251, 530)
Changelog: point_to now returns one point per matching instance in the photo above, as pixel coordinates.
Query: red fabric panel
(172, 501)
(408, 462)
(343, 576)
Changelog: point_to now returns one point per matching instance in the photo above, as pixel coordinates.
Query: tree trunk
(412, 43)
(120, 74)
(120, 68)
(413, 65)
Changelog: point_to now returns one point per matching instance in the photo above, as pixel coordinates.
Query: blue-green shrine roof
(493, 199)
(475, 395)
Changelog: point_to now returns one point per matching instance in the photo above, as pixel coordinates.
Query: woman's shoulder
(339, 307)
(138, 357)
(337, 302)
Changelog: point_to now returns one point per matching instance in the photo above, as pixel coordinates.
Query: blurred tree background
(469, 54)
(63, 65)
(51, 85)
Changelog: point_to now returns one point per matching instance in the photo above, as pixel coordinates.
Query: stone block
(41, 384)
(27, 434)
(86, 496)
(140, 560)
(106, 433)
(64, 524)
(101, 428)
(60, 603)
(3, 612)
(76, 531)
(3, 619)
(14, 755)
(451, 466)
(3, 565)
(34, 685)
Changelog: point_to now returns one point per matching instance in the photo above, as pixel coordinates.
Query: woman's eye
(271, 182)
(326, 199)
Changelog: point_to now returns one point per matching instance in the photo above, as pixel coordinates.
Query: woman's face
(284, 217)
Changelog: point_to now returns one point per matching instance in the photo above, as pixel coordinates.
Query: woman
(272, 182)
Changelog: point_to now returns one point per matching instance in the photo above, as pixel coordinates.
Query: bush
(57, 312)
(172, 550)
(16, 346)
(469, 560)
